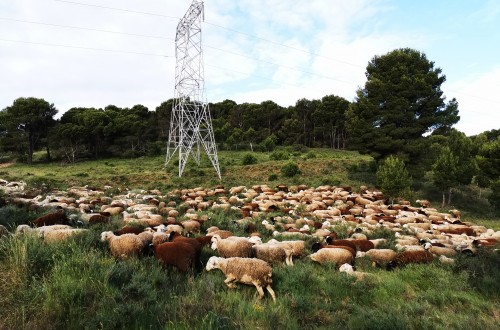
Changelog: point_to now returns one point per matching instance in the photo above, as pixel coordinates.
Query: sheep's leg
(271, 292)
(228, 281)
(259, 290)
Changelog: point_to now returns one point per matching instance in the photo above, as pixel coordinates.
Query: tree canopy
(401, 101)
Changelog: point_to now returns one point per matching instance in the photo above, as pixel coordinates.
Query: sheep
(440, 251)
(357, 244)
(232, 246)
(57, 235)
(378, 256)
(55, 218)
(216, 231)
(191, 226)
(297, 247)
(127, 229)
(349, 270)
(273, 253)
(176, 237)
(337, 255)
(124, 246)
(250, 271)
(98, 218)
(317, 246)
(413, 257)
(179, 254)
(445, 260)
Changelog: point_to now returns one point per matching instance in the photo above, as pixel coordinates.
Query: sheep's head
(212, 263)
(214, 241)
(346, 268)
(255, 240)
(315, 247)
(106, 235)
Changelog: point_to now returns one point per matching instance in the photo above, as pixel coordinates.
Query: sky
(93, 53)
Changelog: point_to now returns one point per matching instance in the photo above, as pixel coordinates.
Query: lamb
(98, 218)
(179, 254)
(250, 271)
(232, 246)
(55, 218)
(176, 237)
(124, 246)
(337, 255)
(349, 270)
(378, 256)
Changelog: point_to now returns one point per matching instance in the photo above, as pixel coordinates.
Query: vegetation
(393, 178)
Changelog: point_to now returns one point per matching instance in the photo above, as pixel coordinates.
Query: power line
(80, 47)
(217, 26)
(83, 28)
(165, 38)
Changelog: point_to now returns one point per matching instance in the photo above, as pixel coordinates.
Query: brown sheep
(98, 218)
(55, 218)
(410, 257)
(180, 255)
(360, 244)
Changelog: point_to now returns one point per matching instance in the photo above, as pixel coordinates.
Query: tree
(444, 173)
(393, 178)
(26, 123)
(401, 101)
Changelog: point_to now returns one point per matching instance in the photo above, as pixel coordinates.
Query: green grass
(76, 284)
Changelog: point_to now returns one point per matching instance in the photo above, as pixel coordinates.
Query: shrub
(249, 159)
(272, 177)
(494, 198)
(279, 155)
(290, 169)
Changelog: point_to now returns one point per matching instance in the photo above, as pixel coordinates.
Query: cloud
(478, 109)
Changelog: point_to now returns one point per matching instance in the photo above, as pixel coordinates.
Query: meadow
(76, 284)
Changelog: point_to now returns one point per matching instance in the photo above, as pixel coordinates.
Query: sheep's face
(212, 263)
(214, 244)
(105, 236)
(346, 268)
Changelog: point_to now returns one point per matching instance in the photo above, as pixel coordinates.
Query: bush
(279, 155)
(272, 177)
(290, 169)
(249, 159)
(494, 198)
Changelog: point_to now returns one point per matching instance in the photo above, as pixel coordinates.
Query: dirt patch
(5, 164)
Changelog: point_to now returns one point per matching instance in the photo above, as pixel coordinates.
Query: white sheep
(232, 246)
(349, 270)
(124, 246)
(57, 235)
(250, 271)
(337, 255)
(378, 256)
(273, 253)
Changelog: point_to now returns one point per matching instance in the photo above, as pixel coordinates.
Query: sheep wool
(124, 246)
(250, 271)
(336, 255)
(272, 253)
(232, 247)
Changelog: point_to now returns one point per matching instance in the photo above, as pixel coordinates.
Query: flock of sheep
(175, 227)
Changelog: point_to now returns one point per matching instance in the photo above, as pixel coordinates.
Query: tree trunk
(444, 199)
(30, 148)
(49, 158)
(449, 196)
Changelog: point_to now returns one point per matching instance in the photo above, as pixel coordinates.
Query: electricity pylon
(190, 124)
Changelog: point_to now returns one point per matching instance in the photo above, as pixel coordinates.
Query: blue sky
(254, 50)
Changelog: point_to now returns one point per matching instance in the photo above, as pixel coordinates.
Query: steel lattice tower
(190, 124)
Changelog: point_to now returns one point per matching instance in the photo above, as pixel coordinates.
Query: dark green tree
(393, 178)
(26, 124)
(402, 100)
(445, 173)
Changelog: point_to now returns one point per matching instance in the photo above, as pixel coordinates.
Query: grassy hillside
(76, 284)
